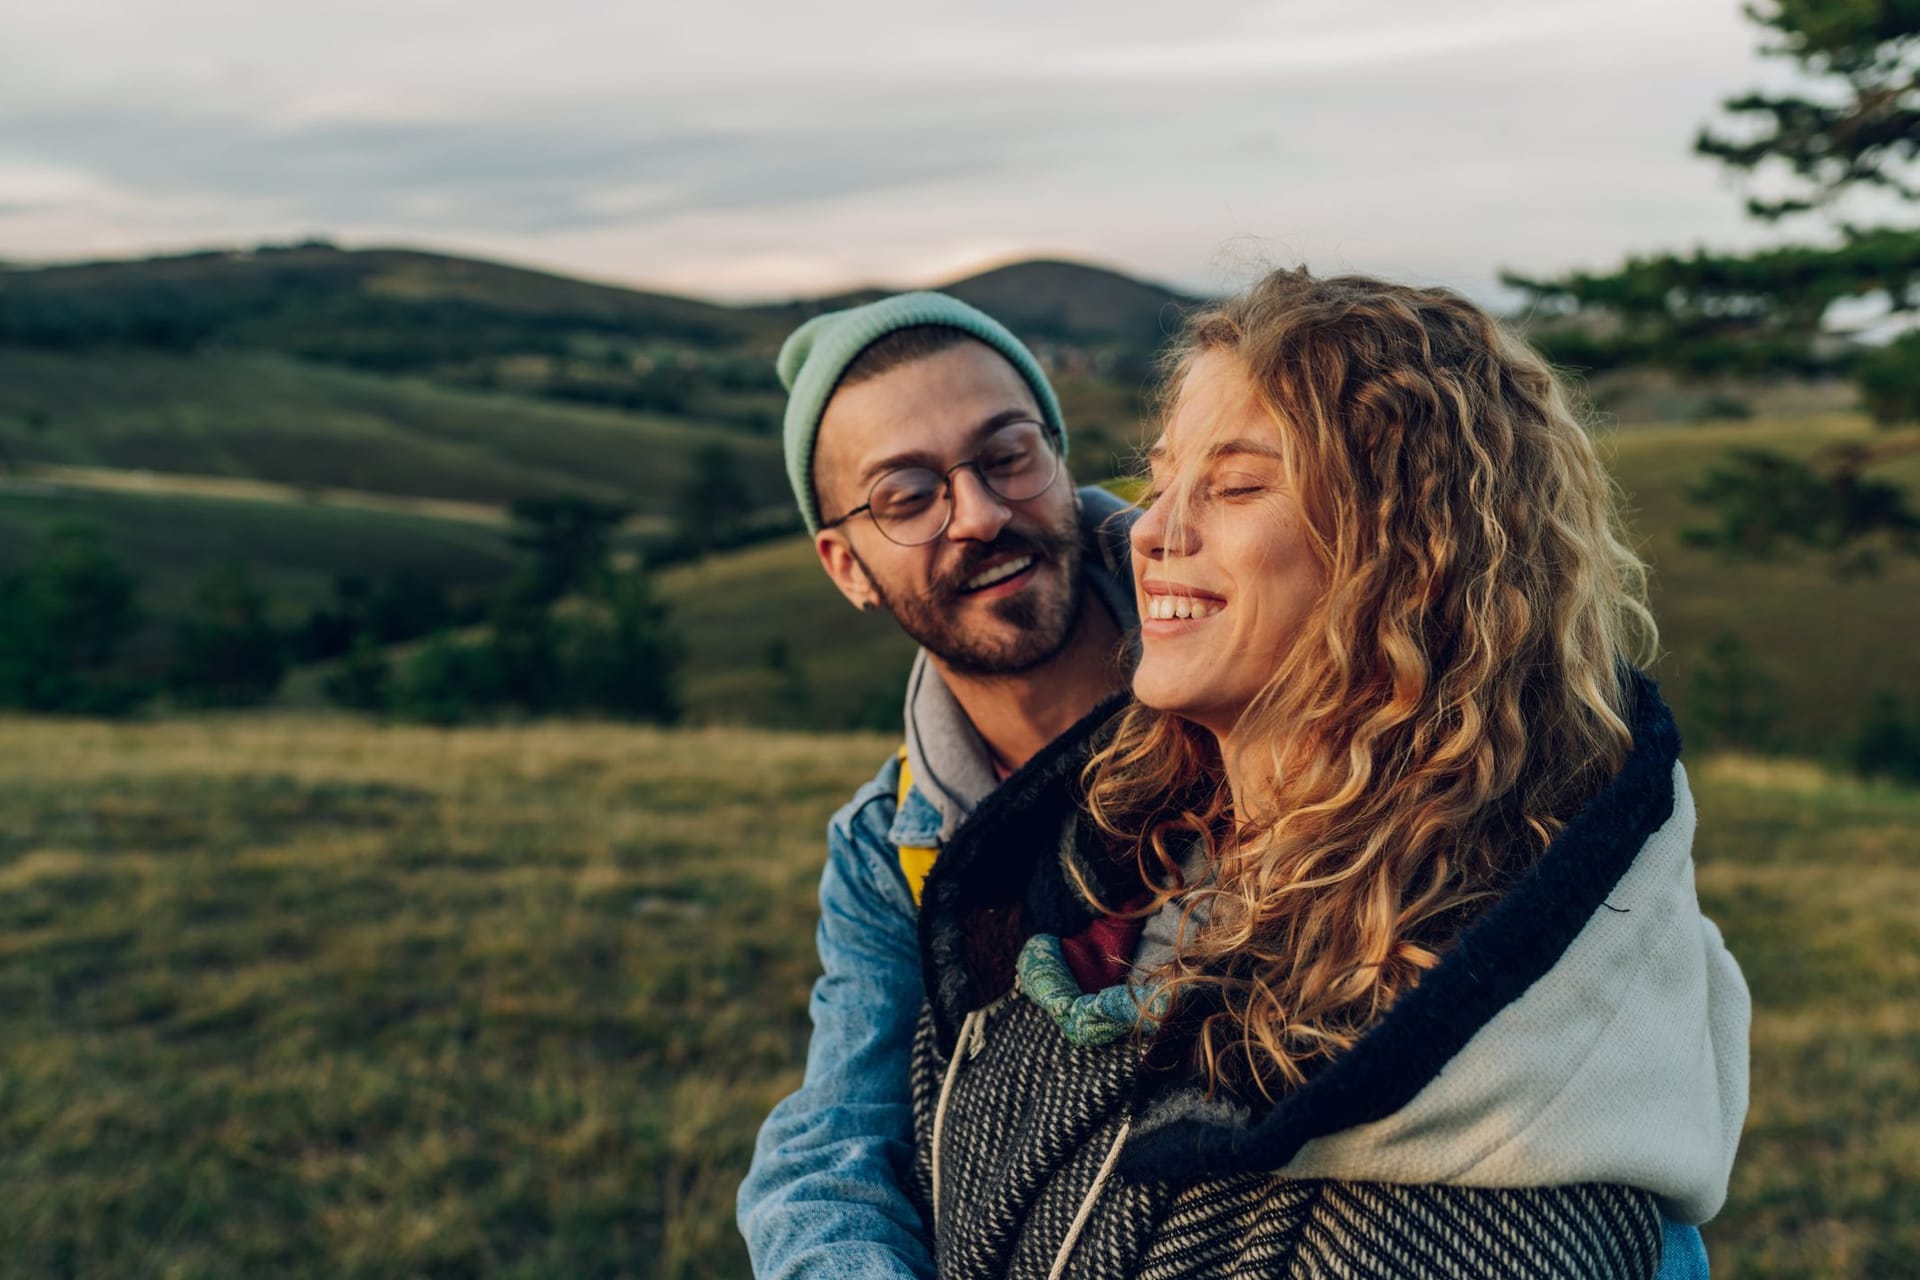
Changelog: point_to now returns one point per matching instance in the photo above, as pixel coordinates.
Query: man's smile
(1002, 576)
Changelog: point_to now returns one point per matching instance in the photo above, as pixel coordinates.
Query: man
(926, 450)
(927, 453)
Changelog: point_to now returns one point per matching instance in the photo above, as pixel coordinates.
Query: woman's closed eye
(1237, 484)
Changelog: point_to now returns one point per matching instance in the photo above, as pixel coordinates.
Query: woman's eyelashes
(1210, 492)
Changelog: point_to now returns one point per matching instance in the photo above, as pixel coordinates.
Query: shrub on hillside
(405, 605)
(792, 691)
(226, 652)
(567, 540)
(622, 659)
(1889, 379)
(1734, 701)
(1888, 744)
(613, 653)
(447, 683)
(363, 682)
(714, 500)
(525, 652)
(63, 619)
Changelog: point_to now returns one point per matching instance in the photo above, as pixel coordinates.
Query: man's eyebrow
(923, 458)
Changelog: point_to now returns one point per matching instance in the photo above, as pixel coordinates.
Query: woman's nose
(1147, 533)
(1161, 530)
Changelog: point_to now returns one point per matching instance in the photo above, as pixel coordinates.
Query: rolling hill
(398, 375)
(268, 416)
(171, 400)
(1075, 303)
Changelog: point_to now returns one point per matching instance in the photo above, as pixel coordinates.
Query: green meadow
(306, 997)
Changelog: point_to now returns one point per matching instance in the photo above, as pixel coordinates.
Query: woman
(1363, 941)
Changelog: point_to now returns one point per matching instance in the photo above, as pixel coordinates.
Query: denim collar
(916, 823)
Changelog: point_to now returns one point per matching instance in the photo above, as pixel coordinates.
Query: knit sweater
(1577, 1059)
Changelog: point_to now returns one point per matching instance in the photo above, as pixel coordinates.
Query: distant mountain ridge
(1069, 301)
(299, 298)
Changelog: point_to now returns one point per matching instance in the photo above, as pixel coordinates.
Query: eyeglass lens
(911, 505)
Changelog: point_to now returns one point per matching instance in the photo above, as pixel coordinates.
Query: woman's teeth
(1167, 608)
(999, 573)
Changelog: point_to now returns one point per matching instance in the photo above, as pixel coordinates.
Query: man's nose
(978, 513)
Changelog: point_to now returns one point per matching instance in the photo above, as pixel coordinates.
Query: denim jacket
(826, 1196)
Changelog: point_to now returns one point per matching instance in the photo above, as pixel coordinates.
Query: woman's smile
(1172, 605)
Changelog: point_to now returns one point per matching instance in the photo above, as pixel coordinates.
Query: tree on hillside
(623, 658)
(364, 680)
(1854, 129)
(569, 540)
(525, 650)
(714, 499)
(63, 620)
(226, 652)
(403, 606)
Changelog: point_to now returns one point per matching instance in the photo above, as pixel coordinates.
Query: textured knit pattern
(1031, 1117)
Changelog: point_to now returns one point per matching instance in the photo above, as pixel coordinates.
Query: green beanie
(819, 351)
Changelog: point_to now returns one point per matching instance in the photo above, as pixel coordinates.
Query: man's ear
(837, 558)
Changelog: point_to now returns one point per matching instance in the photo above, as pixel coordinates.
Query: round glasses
(914, 505)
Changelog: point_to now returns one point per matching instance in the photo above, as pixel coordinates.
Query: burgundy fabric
(1101, 954)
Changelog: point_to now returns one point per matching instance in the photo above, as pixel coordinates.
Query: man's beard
(1036, 626)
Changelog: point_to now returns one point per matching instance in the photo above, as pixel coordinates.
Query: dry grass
(304, 997)
(307, 998)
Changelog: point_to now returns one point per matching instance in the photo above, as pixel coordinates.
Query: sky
(754, 151)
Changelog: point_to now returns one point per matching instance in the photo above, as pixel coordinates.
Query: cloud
(528, 175)
(723, 145)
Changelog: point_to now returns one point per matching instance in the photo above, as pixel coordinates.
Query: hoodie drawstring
(972, 1039)
(1086, 1205)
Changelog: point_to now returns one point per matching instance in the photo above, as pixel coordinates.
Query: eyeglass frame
(946, 481)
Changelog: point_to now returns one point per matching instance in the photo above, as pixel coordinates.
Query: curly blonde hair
(1451, 701)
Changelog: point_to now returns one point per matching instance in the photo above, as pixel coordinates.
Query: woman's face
(1223, 568)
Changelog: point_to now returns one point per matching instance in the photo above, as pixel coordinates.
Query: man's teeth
(999, 573)
(1167, 608)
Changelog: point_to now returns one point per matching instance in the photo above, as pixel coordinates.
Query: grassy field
(307, 998)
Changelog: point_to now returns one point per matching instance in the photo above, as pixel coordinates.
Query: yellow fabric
(915, 861)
